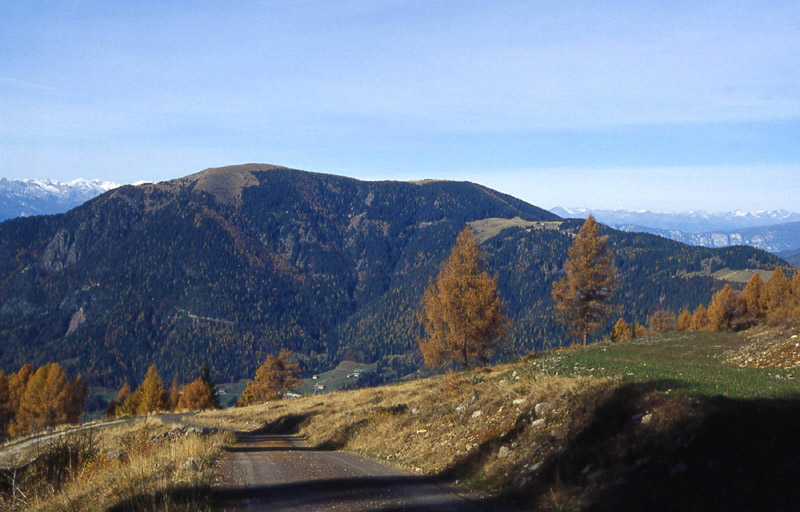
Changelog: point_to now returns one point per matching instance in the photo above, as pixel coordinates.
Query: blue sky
(640, 105)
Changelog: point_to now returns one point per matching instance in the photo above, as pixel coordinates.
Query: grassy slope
(690, 363)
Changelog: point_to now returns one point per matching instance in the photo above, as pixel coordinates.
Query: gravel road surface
(281, 473)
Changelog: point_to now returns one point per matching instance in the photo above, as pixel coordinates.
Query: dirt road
(281, 473)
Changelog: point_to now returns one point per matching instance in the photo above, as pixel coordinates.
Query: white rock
(476, 414)
(538, 423)
(532, 468)
(541, 408)
(503, 452)
(519, 401)
(647, 418)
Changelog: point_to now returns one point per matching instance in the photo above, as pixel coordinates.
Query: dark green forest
(231, 264)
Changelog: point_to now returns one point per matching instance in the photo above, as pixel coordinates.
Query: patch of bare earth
(769, 347)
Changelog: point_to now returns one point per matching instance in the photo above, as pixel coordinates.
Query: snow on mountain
(772, 230)
(23, 198)
(697, 221)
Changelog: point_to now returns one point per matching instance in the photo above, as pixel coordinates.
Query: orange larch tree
(723, 309)
(196, 396)
(277, 376)
(584, 297)
(462, 312)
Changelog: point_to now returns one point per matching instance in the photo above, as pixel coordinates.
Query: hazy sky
(661, 105)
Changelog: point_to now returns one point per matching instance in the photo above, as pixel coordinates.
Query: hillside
(662, 423)
(230, 264)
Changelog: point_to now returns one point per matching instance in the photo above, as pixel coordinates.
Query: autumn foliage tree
(115, 406)
(196, 396)
(5, 403)
(621, 331)
(49, 398)
(699, 320)
(149, 396)
(277, 376)
(684, 321)
(661, 321)
(777, 297)
(751, 301)
(584, 297)
(461, 312)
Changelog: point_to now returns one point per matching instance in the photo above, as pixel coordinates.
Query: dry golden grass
(430, 425)
(139, 466)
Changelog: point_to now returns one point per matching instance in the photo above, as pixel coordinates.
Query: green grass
(689, 363)
(335, 379)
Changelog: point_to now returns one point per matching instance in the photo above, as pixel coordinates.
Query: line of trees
(32, 399)
(777, 300)
(151, 396)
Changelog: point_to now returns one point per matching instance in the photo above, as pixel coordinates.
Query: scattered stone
(647, 419)
(538, 423)
(541, 408)
(460, 409)
(678, 469)
(532, 468)
(519, 401)
(503, 452)
(476, 414)
(415, 410)
(421, 431)
(191, 464)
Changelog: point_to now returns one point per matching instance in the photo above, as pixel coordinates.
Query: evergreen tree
(621, 331)
(206, 376)
(197, 396)
(584, 297)
(277, 376)
(722, 310)
(461, 310)
(684, 321)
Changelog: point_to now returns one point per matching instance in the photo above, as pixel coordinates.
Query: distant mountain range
(230, 264)
(777, 231)
(25, 198)
(691, 221)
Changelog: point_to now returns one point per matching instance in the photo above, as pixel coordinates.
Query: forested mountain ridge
(233, 263)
